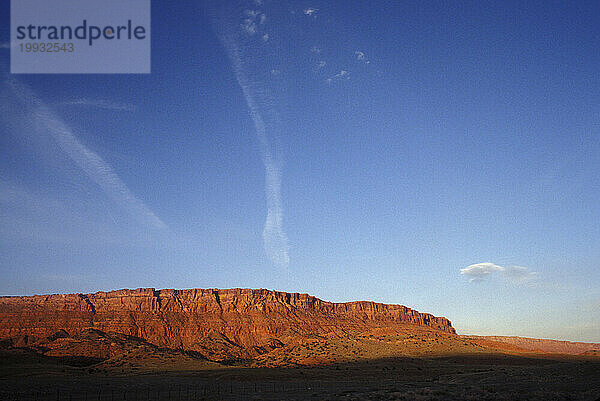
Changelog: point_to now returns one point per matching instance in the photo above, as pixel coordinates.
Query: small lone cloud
(514, 274)
(275, 72)
(479, 271)
(321, 64)
(360, 56)
(311, 11)
(315, 49)
(265, 37)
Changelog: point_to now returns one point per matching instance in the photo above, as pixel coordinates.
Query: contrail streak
(274, 238)
(99, 103)
(90, 162)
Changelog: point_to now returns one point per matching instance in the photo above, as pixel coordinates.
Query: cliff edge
(188, 319)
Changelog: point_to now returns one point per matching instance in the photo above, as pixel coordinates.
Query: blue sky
(444, 157)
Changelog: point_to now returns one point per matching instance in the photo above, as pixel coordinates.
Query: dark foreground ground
(464, 377)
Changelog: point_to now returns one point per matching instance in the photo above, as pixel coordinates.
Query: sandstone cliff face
(240, 318)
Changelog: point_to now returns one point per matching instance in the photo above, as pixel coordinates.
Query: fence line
(192, 392)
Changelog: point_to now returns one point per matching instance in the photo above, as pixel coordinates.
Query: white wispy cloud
(265, 37)
(360, 56)
(310, 11)
(98, 170)
(5, 45)
(518, 274)
(99, 103)
(480, 271)
(321, 64)
(315, 49)
(275, 240)
(249, 26)
(343, 74)
(252, 20)
(252, 13)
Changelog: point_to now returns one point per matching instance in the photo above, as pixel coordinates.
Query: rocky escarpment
(240, 319)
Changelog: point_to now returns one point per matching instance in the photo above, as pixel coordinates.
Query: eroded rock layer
(185, 319)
